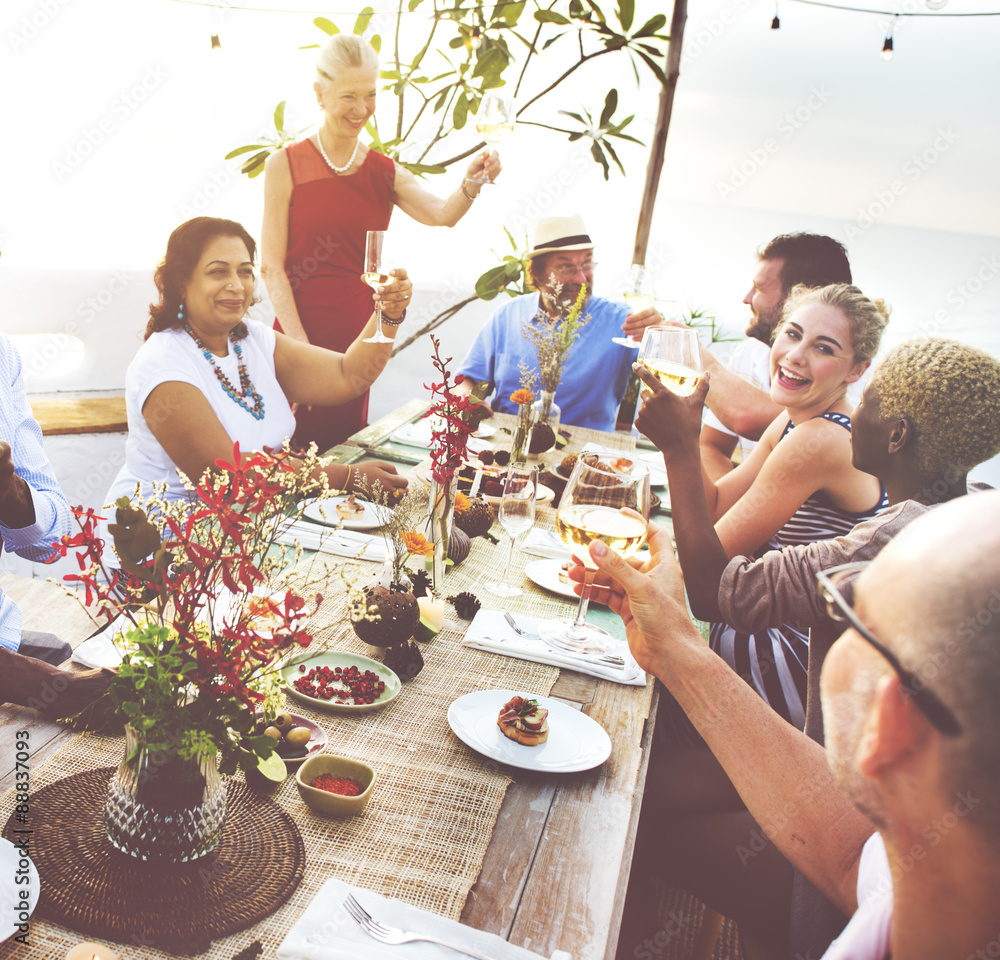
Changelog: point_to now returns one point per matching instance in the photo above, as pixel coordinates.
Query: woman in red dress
(321, 196)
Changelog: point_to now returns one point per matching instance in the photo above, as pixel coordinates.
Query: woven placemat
(90, 886)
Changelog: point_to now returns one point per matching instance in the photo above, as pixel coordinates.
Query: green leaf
(364, 18)
(241, 150)
(614, 156)
(419, 169)
(461, 112)
(626, 13)
(279, 117)
(651, 26)
(413, 4)
(551, 40)
(255, 165)
(575, 116)
(610, 105)
(655, 67)
(598, 155)
(493, 60)
(327, 26)
(493, 281)
(550, 16)
(509, 13)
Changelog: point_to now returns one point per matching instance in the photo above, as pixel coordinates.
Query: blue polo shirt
(595, 373)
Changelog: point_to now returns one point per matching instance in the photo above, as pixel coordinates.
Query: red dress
(328, 217)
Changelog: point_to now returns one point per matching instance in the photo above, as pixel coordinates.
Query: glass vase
(519, 445)
(440, 521)
(161, 807)
(546, 410)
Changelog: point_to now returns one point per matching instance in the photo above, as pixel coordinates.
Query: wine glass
(495, 121)
(517, 514)
(638, 293)
(591, 509)
(376, 275)
(673, 356)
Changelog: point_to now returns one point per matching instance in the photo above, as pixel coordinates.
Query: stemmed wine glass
(639, 294)
(591, 509)
(376, 275)
(517, 514)
(495, 121)
(673, 356)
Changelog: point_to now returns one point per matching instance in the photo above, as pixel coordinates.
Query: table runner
(423, 836)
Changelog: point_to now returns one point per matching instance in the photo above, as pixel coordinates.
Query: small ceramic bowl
(334, 804)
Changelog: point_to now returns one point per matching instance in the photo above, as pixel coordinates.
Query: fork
(393, 935)
(605, 658)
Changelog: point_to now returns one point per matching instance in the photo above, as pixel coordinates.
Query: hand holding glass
(673, 356)
(591, 509)
(495, 121)
(638, 293)
(517, 515)
(376, 275)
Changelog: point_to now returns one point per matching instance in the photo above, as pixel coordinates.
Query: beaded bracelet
(468, 195)
(394, 321)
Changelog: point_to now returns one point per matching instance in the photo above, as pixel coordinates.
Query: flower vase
(545, 413)
(164, 808)
(519, 445)
(440, 521)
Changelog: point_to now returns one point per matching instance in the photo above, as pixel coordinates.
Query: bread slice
(523, 721)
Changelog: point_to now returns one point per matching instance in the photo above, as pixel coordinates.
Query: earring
(180, 313)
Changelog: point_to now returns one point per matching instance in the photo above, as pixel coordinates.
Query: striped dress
(775, 661)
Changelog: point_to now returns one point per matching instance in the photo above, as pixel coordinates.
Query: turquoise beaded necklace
(246, 387)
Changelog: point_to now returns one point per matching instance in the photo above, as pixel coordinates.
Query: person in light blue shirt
(596, 371)
(33, 511)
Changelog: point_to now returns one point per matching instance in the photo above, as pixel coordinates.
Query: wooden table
(556, 870)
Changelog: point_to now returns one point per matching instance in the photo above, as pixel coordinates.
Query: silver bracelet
(468, 195)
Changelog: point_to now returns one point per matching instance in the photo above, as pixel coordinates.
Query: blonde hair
(951, 394)
(344, 51)
(866, 318)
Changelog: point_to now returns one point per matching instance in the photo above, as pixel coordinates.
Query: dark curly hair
(184, 250)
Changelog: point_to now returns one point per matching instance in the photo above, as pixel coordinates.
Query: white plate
(546, 574)
(11, 903)
(325, 512)
(575, 741)
(545, 495)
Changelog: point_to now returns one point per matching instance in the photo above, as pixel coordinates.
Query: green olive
(298, 736)
(284, 721)
(272, 732)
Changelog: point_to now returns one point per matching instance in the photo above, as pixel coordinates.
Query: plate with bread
(529, 732)
(349, 512)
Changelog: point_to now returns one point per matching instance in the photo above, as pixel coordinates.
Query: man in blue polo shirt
(596, 372)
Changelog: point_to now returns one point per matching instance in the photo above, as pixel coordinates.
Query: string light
(475, 39)
(775, 23)
(887, 44)
(216, 42)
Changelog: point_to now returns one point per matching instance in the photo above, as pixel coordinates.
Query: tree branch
(433, 323)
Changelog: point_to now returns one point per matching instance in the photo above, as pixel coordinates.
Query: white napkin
(419, 435)
(326, 931)
(545, 543)
(490, 631)
(342, 543)
(98, 651)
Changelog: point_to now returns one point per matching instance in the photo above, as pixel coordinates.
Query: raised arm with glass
(516, 516)
(640, 294)
(607, 500)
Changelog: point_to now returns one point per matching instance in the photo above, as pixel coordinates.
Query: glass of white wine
(495, 121)
(673, 356)
(516, 516)
(639, 294)
(591, 508)
(376, 275)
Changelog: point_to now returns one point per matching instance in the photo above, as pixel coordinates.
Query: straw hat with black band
(560, 235)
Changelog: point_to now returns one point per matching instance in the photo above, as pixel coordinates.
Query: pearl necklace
(257, 410)
(329, 162)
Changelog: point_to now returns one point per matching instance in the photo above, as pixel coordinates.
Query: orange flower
(522, 396)
(417, 544)
(461, 502)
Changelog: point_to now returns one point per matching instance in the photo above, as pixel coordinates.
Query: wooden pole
(659, 145)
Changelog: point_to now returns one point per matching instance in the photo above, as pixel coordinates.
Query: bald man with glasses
(560, 265)
(897, 819)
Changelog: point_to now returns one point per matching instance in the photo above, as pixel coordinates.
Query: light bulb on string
(775, 23)
(887, 45)
(475, 40)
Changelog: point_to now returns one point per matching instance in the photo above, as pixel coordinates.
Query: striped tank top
(775, 661)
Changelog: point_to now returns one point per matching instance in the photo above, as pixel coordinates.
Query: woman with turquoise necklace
(207, 376)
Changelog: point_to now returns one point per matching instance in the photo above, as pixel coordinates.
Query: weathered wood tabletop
(556, 870)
